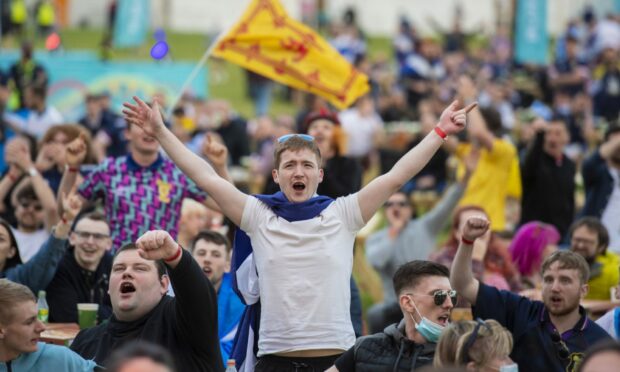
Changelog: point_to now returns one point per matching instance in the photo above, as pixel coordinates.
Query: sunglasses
(286, 137)
(560, 345)
(472, 339)
(439, 296)
(401, 204)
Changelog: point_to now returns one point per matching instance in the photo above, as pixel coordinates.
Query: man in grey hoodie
(405, 240)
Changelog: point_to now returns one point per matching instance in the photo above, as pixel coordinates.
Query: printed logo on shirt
(163, 189)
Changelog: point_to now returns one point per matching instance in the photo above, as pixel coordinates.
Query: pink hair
(529, 243)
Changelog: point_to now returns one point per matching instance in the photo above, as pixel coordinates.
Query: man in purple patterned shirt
(141, 191)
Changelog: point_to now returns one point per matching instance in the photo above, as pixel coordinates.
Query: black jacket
(185, 325)
(388, 351)
(548, 188)
(72, 285)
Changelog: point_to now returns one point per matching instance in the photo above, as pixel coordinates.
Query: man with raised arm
(551, 335)
(302, 243)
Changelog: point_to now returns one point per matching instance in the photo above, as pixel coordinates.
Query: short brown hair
(568, 260)
(211, 237)
(11, 294)
(295, 143)
(410, 274)
(93, 216)
(593, 224)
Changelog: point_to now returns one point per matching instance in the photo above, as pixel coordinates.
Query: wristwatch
(32, 171)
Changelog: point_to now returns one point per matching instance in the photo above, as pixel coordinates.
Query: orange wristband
(176, 255)
(441, 133)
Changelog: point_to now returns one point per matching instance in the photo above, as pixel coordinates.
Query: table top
(60, 333)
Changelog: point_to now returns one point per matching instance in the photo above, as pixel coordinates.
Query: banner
(531, 36)
(74, 74)
(131, 23)
(267, 41)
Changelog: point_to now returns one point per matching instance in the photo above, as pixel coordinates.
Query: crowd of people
(193, 263)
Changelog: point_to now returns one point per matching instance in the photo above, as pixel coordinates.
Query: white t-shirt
(607, 323)
(611, 215)
(304, 271)
(361, 131)
(30, 243)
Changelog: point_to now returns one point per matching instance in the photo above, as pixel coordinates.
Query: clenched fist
(475, 227)
(156, 245)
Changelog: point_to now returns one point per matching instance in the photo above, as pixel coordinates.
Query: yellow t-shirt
(600, 285)
(496, 177)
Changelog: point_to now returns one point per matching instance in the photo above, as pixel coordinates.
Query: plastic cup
(87, 315)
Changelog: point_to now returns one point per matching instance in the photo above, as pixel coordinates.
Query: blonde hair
(12, 294)
(191, 207)
(492, 341)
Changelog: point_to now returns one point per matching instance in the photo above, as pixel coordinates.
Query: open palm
(147, 117)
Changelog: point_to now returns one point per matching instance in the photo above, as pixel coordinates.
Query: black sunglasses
(560, 345)
(472, 339)
(439, 296)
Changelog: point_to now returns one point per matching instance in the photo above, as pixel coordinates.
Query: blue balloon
(159, 50)
(160, 34)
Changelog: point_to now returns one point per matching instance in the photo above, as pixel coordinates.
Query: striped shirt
(137, 199)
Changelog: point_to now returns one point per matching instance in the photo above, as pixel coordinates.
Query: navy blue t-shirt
(531, 328)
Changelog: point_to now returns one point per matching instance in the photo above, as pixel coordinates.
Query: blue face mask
(427, 328)
(509, 368)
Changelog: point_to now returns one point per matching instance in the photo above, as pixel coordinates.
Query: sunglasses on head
(286, 137)
(472, 339)
(401, 204)
(560, 345)
(439, 296)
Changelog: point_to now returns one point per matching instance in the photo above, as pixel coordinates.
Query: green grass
(190, 47)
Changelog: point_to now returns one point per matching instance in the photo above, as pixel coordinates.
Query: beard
(568, 307)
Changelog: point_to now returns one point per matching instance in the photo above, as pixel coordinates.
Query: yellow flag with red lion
(267, 41)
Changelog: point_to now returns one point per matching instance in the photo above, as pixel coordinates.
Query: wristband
(176, 255)
(72, 169)
(440, 133)
(467, 241)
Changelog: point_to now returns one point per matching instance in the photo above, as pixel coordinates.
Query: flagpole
(195, 71)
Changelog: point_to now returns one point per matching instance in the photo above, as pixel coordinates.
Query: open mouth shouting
(443, 320)
(207, 271)
(126, 289)
(299, 186)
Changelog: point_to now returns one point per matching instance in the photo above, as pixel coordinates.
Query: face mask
(427, 328)
(509, 368)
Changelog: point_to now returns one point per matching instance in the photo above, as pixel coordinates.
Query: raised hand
(156, 245)
(71, 204)
(539, 125)
(215, 151)
(453, 119)
(17, 152)
(475, 227)
(76, 152)
(148, 118)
